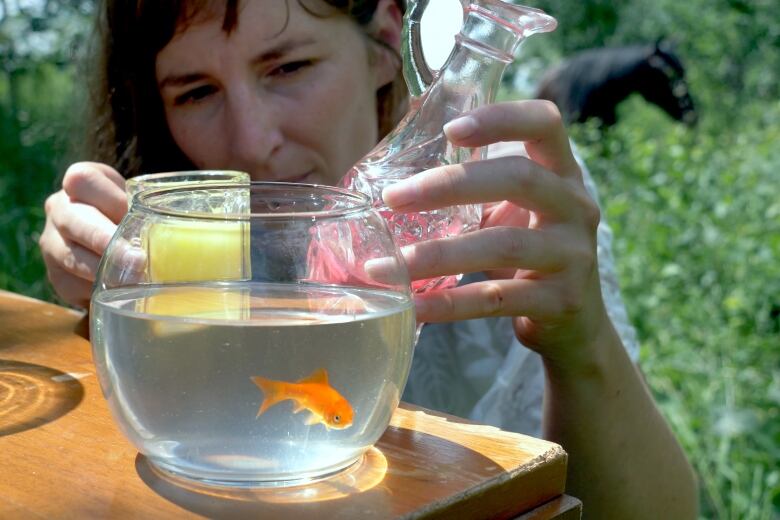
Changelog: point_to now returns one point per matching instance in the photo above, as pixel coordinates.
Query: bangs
(191, 11)
(156, 21)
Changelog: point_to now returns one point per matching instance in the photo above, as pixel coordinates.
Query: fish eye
(337, 418)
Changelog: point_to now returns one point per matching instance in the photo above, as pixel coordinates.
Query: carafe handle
(417, 73)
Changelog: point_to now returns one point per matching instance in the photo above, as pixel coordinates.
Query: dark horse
(591, 83)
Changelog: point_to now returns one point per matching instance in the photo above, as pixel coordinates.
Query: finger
(537, 122)
(84, 225)
(482, 250)
(73, 258)
(485, 299)
(126, 264)
(72, 289)
(97, 185)
(387, 270)
(517, 179)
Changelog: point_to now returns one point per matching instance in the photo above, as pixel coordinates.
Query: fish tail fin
(273, 391)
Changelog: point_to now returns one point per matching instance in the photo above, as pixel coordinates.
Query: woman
(299, 91)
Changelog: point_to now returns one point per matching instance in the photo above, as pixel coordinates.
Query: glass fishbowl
(252, 334)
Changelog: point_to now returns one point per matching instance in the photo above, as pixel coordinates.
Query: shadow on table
(33, 395)
(313, 499)
(394, 478)
(82, 327)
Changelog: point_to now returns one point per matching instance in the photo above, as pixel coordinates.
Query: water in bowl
(177, 364)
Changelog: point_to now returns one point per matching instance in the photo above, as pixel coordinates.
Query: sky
(13, 5)
(440, 23)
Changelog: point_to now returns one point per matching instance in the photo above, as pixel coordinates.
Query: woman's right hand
(80, 220)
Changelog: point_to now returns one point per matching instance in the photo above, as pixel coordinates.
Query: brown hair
(127, 127)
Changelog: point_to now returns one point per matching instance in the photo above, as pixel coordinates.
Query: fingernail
(133, 260)
(400, 194)
(461, 128)
(383, 270)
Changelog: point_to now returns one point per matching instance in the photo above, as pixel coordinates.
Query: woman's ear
(386, 27)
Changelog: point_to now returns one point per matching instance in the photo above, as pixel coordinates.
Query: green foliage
(731, 49)
(696, 217)
(33, 144)
(37, 42)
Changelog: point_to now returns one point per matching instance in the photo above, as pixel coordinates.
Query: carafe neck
(490, 36)
(472, 74)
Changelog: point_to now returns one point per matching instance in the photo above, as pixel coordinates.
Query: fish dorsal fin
(319, 376)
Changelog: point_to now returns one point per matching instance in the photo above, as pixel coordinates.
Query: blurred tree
(35, 34)
(40, 41)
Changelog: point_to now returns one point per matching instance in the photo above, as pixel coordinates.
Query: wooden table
(62, 456)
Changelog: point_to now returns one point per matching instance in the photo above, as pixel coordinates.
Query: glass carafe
(491, 33)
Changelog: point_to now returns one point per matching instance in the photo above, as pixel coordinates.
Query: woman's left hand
(537, 240)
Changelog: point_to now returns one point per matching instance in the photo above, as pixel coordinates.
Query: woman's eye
(290, 68)
(194, 95)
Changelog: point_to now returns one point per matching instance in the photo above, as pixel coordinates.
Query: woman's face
(296, 105)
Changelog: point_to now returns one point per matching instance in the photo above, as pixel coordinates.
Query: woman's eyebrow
(268, 55)
(179, 80)
(274, 53)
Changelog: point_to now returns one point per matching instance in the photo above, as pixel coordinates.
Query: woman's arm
(538, 244)
(624, 461)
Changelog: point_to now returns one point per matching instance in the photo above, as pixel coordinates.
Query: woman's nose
(256, 133)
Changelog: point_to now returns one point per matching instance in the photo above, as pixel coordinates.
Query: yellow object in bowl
(187, 252)
(201, 252)
(197, 251)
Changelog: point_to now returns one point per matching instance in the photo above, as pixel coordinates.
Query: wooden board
(62, 456)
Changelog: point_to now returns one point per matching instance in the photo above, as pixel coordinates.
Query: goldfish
(312, 393)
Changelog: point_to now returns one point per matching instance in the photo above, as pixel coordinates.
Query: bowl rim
(208, 175)
(357, 202)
